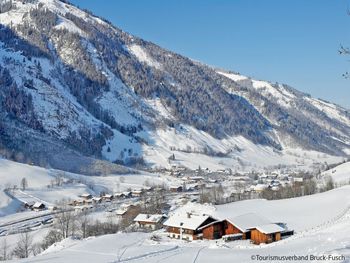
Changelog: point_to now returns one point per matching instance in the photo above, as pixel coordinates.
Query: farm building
(148, 221)
(175, 189)
(187, 226)
(137, 192)
(86, 196)
(119, 195)
(248, 226)
(266, 234)
(97, 200)
(127, 194)
(38, 207)
(28, 205)
(107, 197)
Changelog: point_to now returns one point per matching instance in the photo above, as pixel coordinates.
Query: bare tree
(329, 184)
(24, 184)
(51, 238)
(4, 250)
(65, 220)
(24, 246)
(83, 222)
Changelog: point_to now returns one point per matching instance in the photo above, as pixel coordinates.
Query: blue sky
(290, 41)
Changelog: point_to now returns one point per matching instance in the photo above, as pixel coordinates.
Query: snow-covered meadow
(321, 223)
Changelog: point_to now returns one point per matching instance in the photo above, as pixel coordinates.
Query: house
(38, 207)
(97, 200)
(28, 205)
(175, 189)
(298, 180)
(119, 195)
(260, 187)
(121, 213)
(147, 221)
(243, 224)
(187, 226)
(196, 178)
(213, 230)
(137, 192)
(86, 196)
(266, 234)
(127, 194)
(248, 226)
(127, 211)
(107, 197)
(87, 201)
(147, 188)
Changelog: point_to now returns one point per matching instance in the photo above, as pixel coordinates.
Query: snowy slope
(340, 174)
(192, 149)
(319, 232)
(128, 106)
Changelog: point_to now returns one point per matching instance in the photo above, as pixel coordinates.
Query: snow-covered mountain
(75, 89)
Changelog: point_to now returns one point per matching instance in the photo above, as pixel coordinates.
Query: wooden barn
(243, 224)
(86, 196)
(266, 234)
(248, 226)
(213, 230)
(187, 226)
(38, 207)
(175, 189)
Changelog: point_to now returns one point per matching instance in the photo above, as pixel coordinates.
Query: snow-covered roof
(38, 205)
(212, 223)
(260, 187)
(269, 228)
(85, 195)
(248, 221)
(191, 222)
(121, 211)
(148, 218)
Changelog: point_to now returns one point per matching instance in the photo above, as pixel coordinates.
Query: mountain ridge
(108, 94)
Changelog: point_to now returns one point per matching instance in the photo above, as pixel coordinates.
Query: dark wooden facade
(213, 231)
(258, 237)
(222, 228)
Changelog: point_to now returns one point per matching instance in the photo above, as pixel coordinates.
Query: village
(155, 207)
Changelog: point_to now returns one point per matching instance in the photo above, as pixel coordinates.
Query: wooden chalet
(187, 226)
(119, 195)
(175, 189)
(107, 197)
(97, 200)
(248, 226)
(266, 234)
(38, 207)
(137, 192)
(28, 205)
(86, 196)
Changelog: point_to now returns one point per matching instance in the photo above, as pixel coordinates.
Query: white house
(148, 221)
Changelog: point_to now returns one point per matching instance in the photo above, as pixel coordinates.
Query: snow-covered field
(339, 174)
(40, 187)
(321, 221)
(11, 173)
(188, 145)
